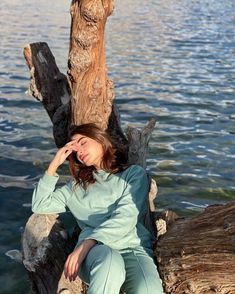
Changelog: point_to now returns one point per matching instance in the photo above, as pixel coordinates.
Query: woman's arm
(45, 198)
(75, 259)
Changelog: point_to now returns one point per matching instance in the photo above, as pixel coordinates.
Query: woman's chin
(87, 163)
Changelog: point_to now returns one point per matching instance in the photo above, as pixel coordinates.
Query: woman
(109, 201)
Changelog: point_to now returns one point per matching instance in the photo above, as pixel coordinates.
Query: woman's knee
(106, 257)
(104, 253)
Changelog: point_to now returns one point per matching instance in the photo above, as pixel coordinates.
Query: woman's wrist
(52, 169)
(84, 248)
(89, 243)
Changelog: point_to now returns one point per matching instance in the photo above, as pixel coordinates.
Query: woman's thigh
(141, 274)
(102, 263)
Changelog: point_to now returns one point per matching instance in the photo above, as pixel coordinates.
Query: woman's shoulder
(135, 175)
(134, 169)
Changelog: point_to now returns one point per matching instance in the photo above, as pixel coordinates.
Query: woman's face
(89, 151)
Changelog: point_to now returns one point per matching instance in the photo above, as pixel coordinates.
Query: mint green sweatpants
(107, 271)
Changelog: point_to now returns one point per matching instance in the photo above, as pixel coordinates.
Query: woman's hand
(75, 259)
(60, 157)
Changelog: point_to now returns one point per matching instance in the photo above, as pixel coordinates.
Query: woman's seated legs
(103, 269)
(141, 274)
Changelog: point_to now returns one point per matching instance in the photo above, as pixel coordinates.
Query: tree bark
(49, 86)
(91, 89)
(46, 245)
(197, 255)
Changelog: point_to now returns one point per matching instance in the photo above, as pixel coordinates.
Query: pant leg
(141, 274)
(103, 269)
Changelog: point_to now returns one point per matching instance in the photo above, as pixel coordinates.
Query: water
(173, 60)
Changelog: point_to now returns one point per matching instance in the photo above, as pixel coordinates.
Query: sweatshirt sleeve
(47, 199)
(130, 207)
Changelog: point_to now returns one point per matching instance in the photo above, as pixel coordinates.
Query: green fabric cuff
(50, 180)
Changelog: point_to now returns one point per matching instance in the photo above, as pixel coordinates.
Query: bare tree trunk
(91, 89)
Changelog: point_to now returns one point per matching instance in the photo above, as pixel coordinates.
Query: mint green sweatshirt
(111, 210)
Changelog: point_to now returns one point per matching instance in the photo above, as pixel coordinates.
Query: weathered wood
(46, 245)
(92, 91)
(197, 255)
(138, 143)
(49, 86)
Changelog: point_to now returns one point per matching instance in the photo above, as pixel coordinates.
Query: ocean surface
(172, 60)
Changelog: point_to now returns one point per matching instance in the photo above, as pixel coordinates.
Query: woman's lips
(83, 157)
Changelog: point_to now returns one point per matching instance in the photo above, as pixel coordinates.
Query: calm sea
(173, 60)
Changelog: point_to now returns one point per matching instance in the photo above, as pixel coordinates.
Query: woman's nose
(79, 151)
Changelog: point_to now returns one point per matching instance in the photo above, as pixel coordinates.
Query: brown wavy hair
(114, 159)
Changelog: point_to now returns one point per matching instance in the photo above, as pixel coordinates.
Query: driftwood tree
(193, 255)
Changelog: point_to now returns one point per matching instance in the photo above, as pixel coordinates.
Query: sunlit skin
(89, 152)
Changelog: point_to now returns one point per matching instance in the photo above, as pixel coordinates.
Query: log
(87, 94)
(197, 255)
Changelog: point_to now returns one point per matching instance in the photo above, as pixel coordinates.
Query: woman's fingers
(75, 272)
(71, 267)
(72, 142)
(68, 148)
(66, 267)
(64, 152)
(68, 152)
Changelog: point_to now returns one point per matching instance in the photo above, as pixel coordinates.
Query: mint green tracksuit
(110, 211)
